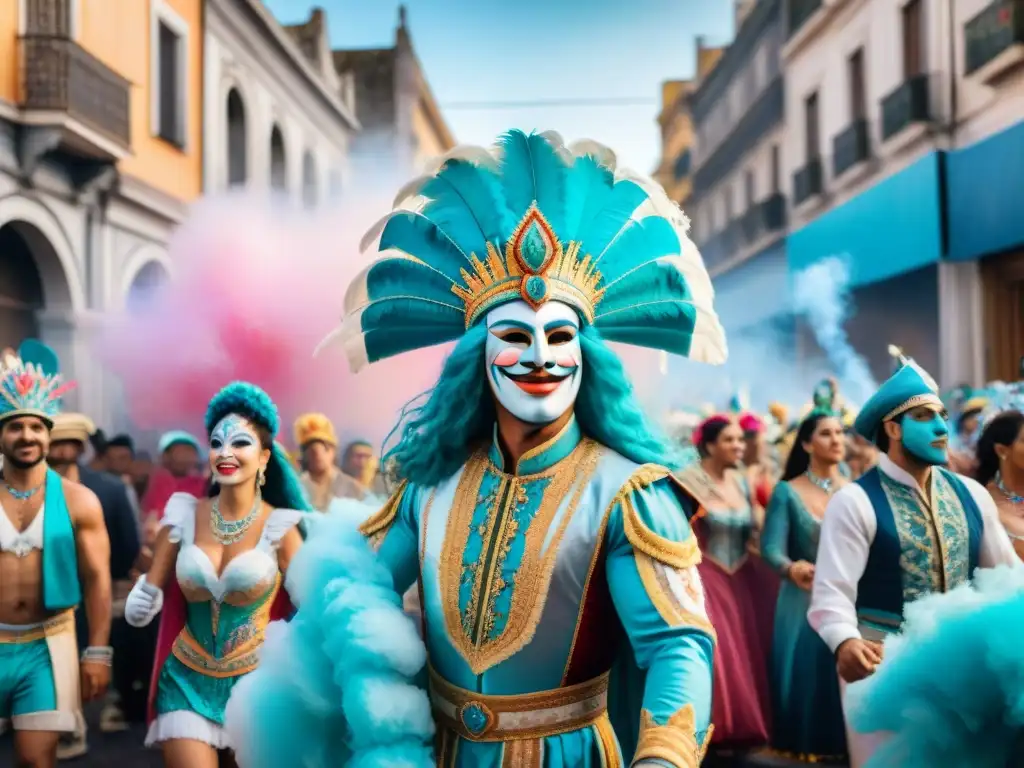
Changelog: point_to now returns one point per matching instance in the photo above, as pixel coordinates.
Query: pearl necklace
(824, 483)
(229, 531)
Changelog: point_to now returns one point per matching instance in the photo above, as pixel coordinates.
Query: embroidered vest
(61, 589)
(916, 551)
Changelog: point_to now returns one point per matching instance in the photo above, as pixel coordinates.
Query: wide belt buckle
(477, 719)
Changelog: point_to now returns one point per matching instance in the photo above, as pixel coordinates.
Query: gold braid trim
(675, 742)
(678, 554)
(376, 526)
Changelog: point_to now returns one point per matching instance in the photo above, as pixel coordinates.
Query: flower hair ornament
(532, 220)
(710, 421)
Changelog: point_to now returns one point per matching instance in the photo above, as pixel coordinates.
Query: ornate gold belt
(55, 625)
(240, 660)
(486, 717)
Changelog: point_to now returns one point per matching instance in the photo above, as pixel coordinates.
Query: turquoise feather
(653, 236)
(532, 171)
(416, 235)
(388, 342)
(656, 281)
(676, 342)
(479, 191)
(393, 276)
(35, 352)
(589, 188)
(604, 217)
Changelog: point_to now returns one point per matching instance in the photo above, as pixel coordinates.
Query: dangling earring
(261, 477)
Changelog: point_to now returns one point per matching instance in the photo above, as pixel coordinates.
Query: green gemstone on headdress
(535, 248)
(536, 288)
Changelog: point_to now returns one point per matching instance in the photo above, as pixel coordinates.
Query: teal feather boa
(334, 688)
(951, 687)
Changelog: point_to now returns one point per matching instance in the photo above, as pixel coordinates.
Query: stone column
(961, 335)
(71, 337)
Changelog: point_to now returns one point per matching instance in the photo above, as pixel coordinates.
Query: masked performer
(52, 535)
(807, 713)
(741, 589)
(549, 539)
(217, 573)
(905, 529)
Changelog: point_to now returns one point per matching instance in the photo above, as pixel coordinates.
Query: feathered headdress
(536, 221)
(31, 384)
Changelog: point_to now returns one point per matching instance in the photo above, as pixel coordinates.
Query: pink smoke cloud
(256, 287)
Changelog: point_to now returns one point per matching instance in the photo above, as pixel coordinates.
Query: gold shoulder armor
(376, 525)
(677, 554)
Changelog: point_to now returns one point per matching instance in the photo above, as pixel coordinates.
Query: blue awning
(892, 228)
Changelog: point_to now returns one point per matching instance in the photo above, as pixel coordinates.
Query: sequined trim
(934, 554)
(533, 576)
(53, 626)
(677, 593)
(675, 742)
(240, 653)
(375, 528)
(522, 716)
(928, 399)
(523, 753)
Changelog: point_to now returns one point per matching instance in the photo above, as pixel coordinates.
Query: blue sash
(61, 589)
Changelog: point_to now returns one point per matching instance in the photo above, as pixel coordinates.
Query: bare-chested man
(53, 548)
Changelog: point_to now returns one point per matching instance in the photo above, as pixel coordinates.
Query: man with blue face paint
(907, 528)
(550, 542)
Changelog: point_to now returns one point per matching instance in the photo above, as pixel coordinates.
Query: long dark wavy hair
(799, 460)
(1004, 429)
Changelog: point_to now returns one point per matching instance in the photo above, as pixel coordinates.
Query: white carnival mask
(235, 450)
(534, 359)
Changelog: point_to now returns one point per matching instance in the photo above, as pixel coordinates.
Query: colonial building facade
(278, 115)
(100, 153)
(402, 125)
(737, 204)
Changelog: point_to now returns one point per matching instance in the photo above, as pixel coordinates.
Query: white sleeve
(996, 547)
(180, 517)
(846, 535)
(279, 523)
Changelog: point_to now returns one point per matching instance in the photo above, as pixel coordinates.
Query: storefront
(986, 185)
(891, 239)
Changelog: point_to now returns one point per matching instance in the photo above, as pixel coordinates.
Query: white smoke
(821, 297)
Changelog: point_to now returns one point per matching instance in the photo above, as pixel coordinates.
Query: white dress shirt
(847, 532)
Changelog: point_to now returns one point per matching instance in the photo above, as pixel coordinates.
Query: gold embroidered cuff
(55, 625)
(484, 717)
(675, 742)
(376, 526)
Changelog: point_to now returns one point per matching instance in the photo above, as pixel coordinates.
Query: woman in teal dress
(808, 716)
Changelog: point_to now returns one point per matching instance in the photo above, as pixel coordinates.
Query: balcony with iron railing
(996, 31)
(907, 105)
(59, 76)
(808, 181)
(850, 147)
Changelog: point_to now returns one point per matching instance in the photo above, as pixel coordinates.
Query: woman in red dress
(740, 588)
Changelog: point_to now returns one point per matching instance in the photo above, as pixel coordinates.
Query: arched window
(238, 169)
(309, 190)
(278, 161)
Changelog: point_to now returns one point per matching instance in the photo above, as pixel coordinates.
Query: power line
(624, 101)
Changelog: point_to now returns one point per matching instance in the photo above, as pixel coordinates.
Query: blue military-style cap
(908, 388)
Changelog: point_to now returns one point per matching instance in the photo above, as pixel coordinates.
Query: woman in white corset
(218, 572)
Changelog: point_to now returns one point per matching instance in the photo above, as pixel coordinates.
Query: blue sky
(540, 50)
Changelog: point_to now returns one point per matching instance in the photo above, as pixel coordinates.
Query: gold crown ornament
(536, 266)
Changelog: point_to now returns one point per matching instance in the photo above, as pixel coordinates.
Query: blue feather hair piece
(31, 383)
(531, 220)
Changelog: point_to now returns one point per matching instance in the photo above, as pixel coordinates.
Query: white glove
(143, 603)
